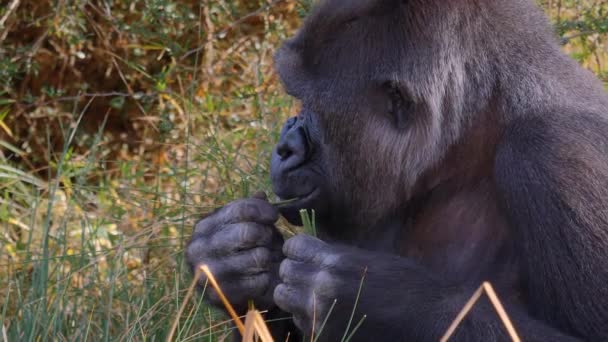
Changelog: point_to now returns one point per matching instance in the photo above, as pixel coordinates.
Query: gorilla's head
(383, 100)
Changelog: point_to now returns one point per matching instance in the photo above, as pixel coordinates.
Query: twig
(220, 293)
(261, 327)
(4, 335)
(247, 16)
(231, 26)
(487, 287)
(249, 326)
(209, 51)
(204, 269)
(11, 8)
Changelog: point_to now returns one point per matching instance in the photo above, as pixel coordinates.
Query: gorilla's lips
(291, 206)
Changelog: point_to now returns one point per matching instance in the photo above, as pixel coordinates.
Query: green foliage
(121, 124)
(583, 28)
(308, 222)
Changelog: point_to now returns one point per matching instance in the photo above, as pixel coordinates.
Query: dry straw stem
(204, 269)
(220, 293)
(254, 322)
(489, 290)
(255, 325)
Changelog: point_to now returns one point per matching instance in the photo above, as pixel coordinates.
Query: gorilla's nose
(292, 147)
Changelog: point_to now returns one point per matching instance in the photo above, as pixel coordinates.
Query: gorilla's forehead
(325, 63)
(329, 16)
(333, 84)
(337, 52)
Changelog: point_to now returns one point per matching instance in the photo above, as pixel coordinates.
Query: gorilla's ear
(401, 104)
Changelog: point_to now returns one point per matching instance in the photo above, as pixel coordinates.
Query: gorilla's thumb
(260, 195)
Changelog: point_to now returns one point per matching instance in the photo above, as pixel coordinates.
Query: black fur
(441, 144)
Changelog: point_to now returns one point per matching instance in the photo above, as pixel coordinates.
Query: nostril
(284, 151)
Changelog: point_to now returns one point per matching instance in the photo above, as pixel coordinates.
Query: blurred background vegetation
(121, 123)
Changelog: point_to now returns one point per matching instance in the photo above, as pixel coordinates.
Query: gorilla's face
(345, 166)
(377, 116)
(343, 163)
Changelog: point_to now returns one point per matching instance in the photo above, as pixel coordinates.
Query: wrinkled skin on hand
(316, 276)
(323, 284)
(242, 248)
(312, 278)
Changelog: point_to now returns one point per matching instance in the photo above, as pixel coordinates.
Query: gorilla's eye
(400, 106)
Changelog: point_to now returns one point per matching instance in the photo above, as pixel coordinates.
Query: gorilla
(441, 144)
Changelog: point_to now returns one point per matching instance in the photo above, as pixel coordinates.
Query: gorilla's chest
(462, 234)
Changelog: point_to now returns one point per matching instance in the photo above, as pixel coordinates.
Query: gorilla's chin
(291, 209)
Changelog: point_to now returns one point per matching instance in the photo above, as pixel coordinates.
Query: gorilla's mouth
(290, 206)
(297, 200)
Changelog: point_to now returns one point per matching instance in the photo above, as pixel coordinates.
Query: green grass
(100, 257)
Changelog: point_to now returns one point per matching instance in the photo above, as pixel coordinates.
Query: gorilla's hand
(242, 248)
(314, 275)
(321, 281)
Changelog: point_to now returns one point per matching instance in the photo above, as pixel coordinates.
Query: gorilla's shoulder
(572, 130)
(567, 149)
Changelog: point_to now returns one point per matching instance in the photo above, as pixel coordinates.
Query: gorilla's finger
(244, 210)
(243, 288)
(303, 247)
(197, 251)
(246, 263)
(295, 272)
(291, 299)
(260, 195)
(249, 210)
(240, 236)
(249, 262)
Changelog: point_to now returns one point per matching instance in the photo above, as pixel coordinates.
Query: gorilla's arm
(400, 299)
(552, 176)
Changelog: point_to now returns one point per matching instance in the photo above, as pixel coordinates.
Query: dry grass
(502, 314)
(254, 327)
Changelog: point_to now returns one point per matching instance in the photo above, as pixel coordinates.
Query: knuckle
(261, 257)
(251, 210)
(244, 209)
(279, 294)
(195, 252)
(294, 244)
(325, 283)
(330, 259)
(216, 269)
(257, 209)
(256, 285)
(202, 226)
(285, 269)
(252, 233)
(246, 233)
